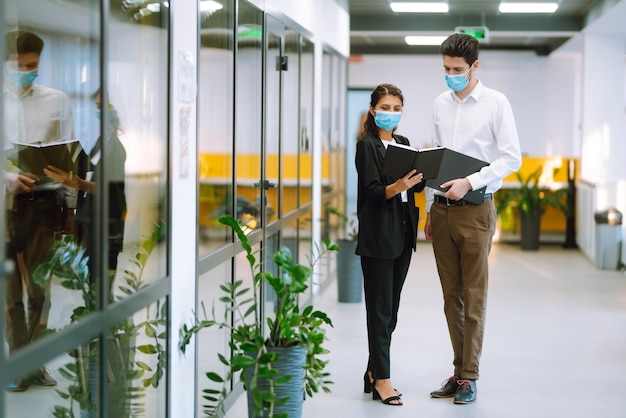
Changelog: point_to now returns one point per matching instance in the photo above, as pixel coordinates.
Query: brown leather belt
(451, 202)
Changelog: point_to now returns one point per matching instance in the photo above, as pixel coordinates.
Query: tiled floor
(555, 343)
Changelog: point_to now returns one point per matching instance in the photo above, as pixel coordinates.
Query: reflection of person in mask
(39, 115)
(106, 155)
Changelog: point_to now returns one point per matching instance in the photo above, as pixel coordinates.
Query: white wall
(328, 22)
(544, 93)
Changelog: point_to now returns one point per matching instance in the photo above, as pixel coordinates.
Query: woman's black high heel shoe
(367, 384)
(387, 401)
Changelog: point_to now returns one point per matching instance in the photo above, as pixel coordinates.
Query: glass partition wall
(85, 128)
(255, 84)
(334, 73)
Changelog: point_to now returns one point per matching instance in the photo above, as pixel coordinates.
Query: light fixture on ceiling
(513, 7)
(210, 6)
(424, 40)
(419, 7)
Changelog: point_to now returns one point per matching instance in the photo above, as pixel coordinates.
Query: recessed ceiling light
(528, 7)
(210, 6)
(419, 7)
(424, 40)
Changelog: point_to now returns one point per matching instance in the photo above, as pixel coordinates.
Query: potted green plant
(279, 368)
(349, 274)
(128, 364)
(529, 200)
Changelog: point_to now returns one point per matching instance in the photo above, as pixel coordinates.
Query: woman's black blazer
(381, 221)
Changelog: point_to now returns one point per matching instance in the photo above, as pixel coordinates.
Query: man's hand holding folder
(441, 166)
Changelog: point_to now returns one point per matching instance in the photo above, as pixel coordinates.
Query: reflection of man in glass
(34, 115)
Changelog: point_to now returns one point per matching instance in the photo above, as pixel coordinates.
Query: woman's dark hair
(22, 42)
(460, 45)
(378, 93)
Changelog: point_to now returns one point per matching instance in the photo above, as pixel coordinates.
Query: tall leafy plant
(250, 347)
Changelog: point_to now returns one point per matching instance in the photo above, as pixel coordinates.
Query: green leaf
(143, 366)
(214, 377)
(147, 349)
(242, 361)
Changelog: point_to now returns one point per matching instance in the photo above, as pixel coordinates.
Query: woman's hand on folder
(69, 179)
(403, 184)
(61, 176)
(457, 188)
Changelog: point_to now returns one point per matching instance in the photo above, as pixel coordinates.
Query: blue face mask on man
(21, 79)
(387, 120)
(459, 81)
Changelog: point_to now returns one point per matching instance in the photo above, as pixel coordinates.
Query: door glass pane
(137, 364)
(327, 181)
(212, 341)
(70, 385)
(337, 131)
(53, 69)
(306, 121)
(42, 389)
(273, 186)
(215, 125)
(248, 114)
(136, 121)
(290, 122)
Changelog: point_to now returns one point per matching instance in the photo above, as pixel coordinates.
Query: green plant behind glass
(70, 263)
(352, 225)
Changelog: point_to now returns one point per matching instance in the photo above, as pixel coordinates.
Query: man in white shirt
(478, 121)
(41, 115)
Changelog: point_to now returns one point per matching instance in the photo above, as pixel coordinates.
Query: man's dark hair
(460, 45)
(22, 42)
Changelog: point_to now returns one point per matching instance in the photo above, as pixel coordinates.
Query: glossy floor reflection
(555, 343)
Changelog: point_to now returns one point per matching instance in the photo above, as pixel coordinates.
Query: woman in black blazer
(387, 234)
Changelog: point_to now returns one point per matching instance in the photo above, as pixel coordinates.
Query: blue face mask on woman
(387, 120)
(22, 79)
(457, 82)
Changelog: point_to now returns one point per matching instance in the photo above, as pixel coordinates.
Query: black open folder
(438, 166)
(455, 165)
(33, 158)
(400, 159)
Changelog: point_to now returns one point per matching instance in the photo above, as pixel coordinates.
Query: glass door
(270, 187)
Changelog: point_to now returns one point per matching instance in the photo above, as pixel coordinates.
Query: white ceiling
(375, 28)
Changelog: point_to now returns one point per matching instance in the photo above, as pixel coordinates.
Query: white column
(184, 208)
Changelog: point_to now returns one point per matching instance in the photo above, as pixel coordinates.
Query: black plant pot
(530, 227)
(349, 273)
(290, 361)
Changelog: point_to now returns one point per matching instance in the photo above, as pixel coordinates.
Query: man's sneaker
(42, 377)
(466, 393)
(448, 388)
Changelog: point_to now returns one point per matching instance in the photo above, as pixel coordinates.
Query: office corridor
(555, 343)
